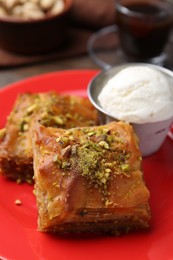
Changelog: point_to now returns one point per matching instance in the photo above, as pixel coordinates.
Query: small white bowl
(151, 135)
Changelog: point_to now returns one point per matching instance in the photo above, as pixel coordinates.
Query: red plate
(19, 238)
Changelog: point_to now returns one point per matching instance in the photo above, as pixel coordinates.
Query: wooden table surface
(10, 75)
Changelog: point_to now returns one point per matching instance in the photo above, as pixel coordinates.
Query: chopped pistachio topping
(104, 144)
(29, 181)
(19, 181)
(68, 115)
(24, 126)
(64, 111)
(31, 109)
(58, 139)
(65, 164)
(119, 140)
(26, 118)
(86, 151)
(73, 150)
(125, 167)
(65, 139)
(58, 120)
(107, 202)
(91, 133)
(43, 151)
(2, 132)
(56, 159)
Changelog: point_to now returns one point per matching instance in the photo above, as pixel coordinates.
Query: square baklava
(48, 109)
(89, 179)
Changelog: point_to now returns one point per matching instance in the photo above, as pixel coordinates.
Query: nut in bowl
(33, 26)
(140, 94)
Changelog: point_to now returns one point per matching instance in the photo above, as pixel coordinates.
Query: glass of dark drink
(144, 28)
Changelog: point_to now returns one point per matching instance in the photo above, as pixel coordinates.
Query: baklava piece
(49, 109)
(16, 160)
(89, 180)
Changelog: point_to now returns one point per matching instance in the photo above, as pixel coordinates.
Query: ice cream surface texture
(138, 94)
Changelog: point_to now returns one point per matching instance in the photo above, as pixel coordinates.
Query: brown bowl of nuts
(33, 26)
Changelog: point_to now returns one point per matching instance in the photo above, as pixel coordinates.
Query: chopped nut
(119, 140)
(19, 181)
(25, 127)
(73, 150)
(91, 133)
(104, 144)
(58, 120)
(2, 132)
(66, 151)
(65, 165)
(125, 167)
(65, 139)
(107, 203)
(18, 202)
(31, 108)
(29, 181)
(58, 139)
(103, 180)
(56, 159)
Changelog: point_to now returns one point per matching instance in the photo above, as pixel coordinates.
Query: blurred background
(81, 20)
(39, 40)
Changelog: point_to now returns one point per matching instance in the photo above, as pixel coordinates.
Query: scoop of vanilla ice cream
(138, 94)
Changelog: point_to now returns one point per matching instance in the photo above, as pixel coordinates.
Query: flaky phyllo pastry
(89, 179)
(48, 109)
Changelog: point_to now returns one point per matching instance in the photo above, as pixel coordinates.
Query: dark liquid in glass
(144, 37)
